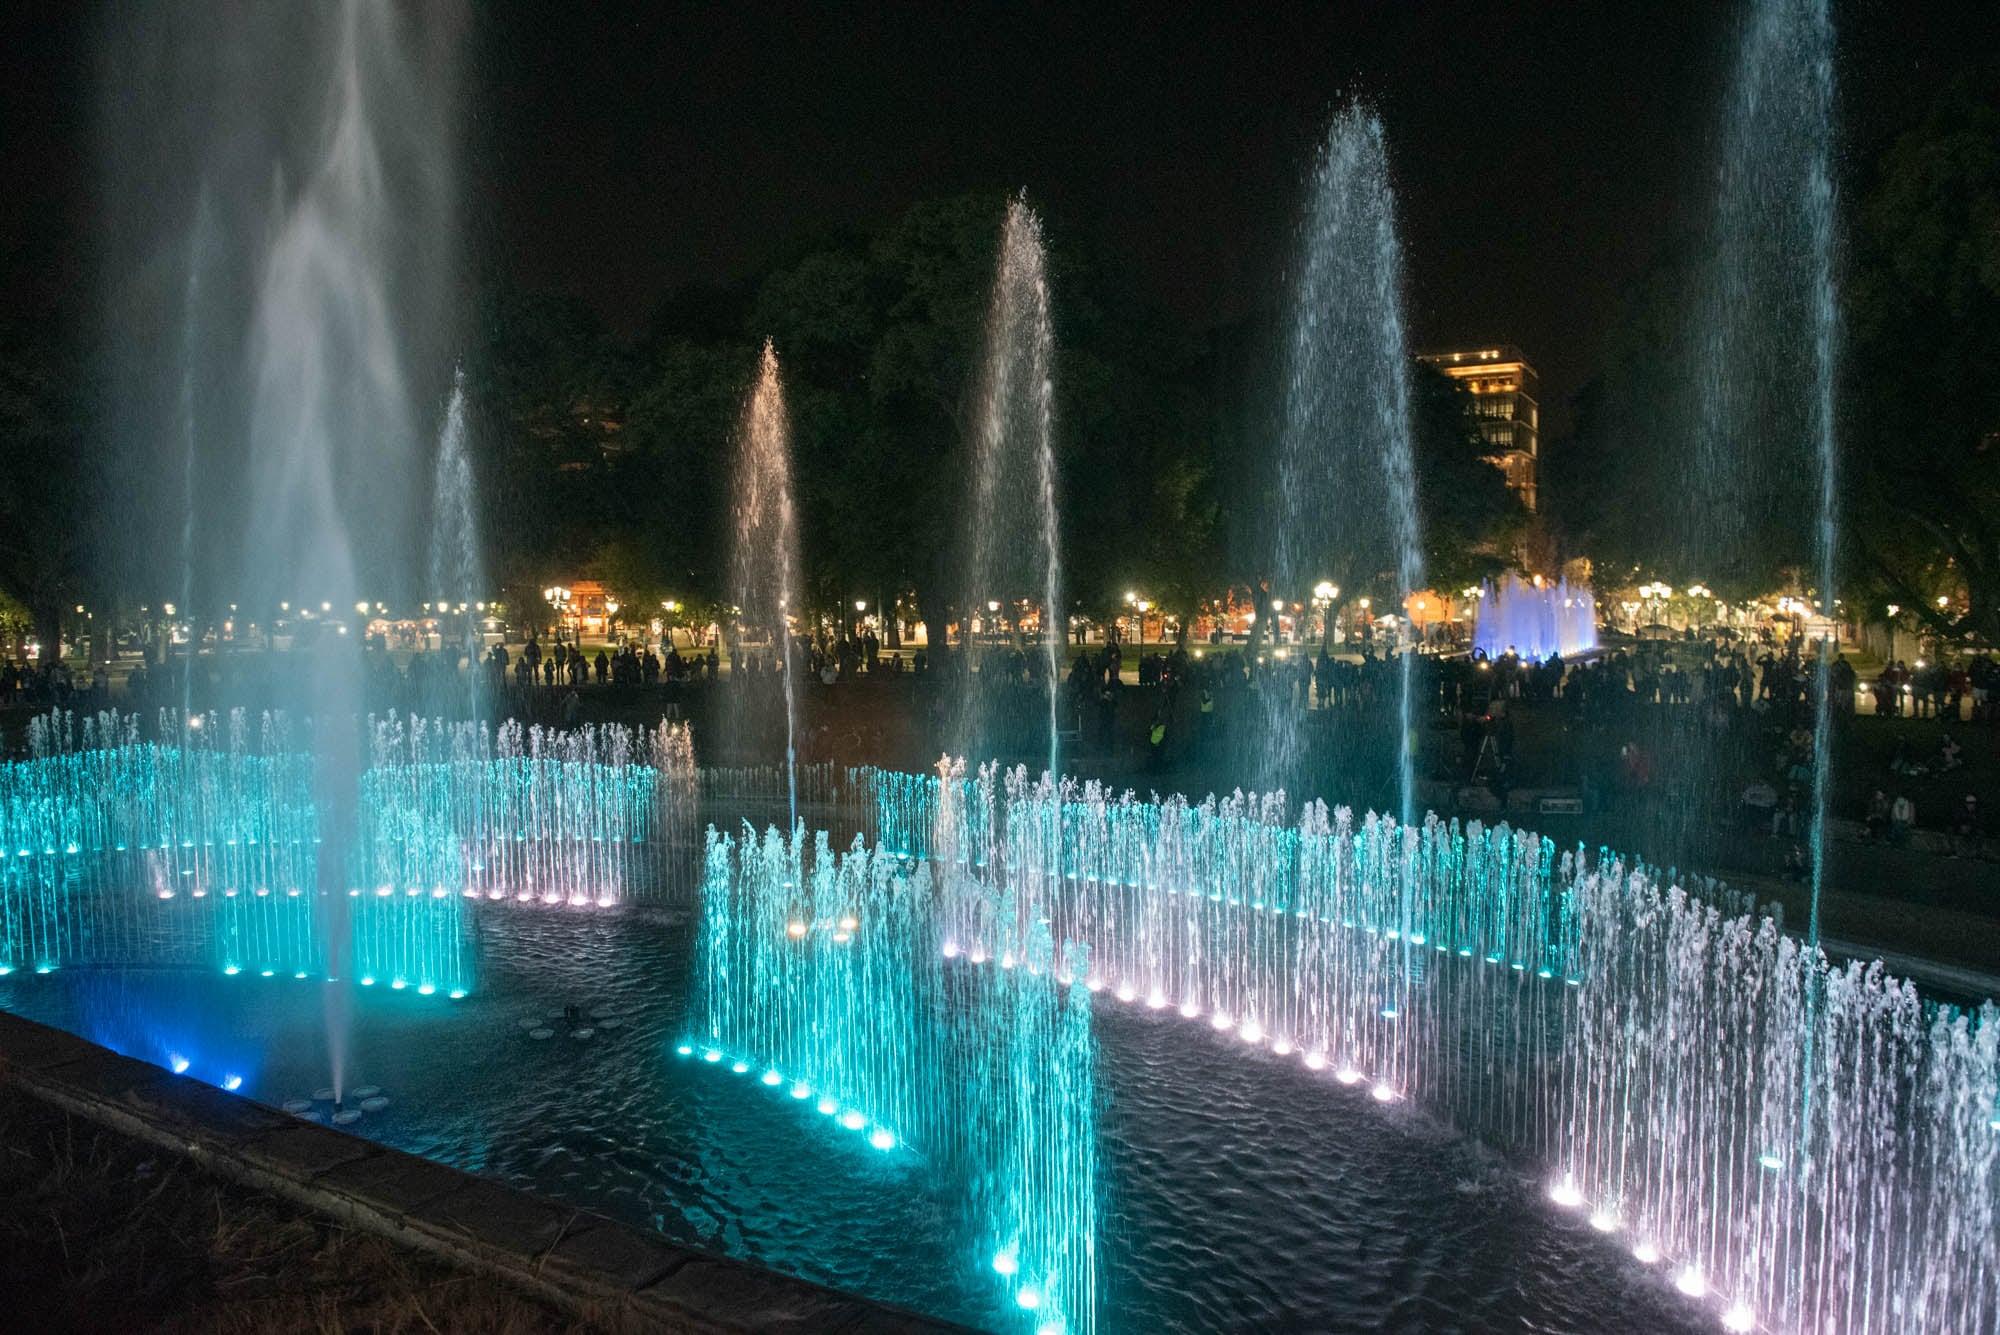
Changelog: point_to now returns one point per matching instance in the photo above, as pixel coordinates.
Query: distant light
(232, 1083)
(178, 1064)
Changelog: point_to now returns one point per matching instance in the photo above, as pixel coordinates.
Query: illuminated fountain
(526, 814)
(1654, 1050)
(206, 847)
(1014, 557)
(1346, 474)
(457, 578)
(831, 981)
(765, 565)
(1535, 620)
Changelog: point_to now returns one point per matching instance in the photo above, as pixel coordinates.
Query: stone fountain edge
(604, 1271)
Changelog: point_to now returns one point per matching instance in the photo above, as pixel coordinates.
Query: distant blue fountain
(1535, 620)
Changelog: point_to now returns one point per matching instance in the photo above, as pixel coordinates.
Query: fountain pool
(1239, 1190)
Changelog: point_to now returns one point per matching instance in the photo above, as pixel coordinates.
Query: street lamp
(1324, 593)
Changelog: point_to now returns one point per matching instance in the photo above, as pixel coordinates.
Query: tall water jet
(1014, 558)
(765, 567)
(457, 579)
(301, 158)
(1346, 474)
(1767, 347)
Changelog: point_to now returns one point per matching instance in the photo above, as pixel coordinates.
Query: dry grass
(102, 1233)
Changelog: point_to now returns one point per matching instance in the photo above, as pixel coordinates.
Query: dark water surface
(1239, 1190)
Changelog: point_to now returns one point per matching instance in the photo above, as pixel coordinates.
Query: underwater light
(269, 973)
(684, 1050)
(801, 1090)
(367, 980)
(1646, 1254)
(45, 968)
(1189, 1010)
(1347, 1075)
(1094, 984)
(1157, 1000)
(1604, 1222)
(177, 1064)
(399, 984)
(1565, 1194)
(457, 993)
(1771, 1159)
(6, 969)
(1125, 991)
(1004, 1261)
(882, 1138)
(827, 1106)
(1315, 1061)
(232, 1083)
(853, 1120)
(1251, 1032)
(711, 1056)
(1383, 1094)
(1282, 1047)
(977, 956)
(1029, 1297)
(951, 950)
(848, 923)
(426, 989)
(795, 929)
(1221, 1020)
(1739, 1317)
(741, 1068)
(773, 1078)
(1691, 1282)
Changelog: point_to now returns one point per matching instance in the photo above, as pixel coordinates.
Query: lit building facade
(1506, 399)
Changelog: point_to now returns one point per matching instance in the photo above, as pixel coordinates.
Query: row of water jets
(207, 845)
(822, 978)
(1809, 1146)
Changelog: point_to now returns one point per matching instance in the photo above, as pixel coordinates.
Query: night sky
(617, 151)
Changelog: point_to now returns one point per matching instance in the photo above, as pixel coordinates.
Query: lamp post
(1324, 593)
(558, 599)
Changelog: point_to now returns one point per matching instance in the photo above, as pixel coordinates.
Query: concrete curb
(600, 1269)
